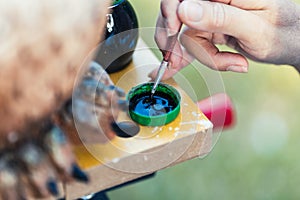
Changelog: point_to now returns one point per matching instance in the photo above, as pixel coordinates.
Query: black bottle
(121, 36)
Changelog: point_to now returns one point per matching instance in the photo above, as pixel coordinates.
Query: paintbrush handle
(171, 41)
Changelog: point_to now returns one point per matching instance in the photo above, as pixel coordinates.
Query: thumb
(220, 18)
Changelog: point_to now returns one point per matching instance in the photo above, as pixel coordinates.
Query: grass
(257, 159)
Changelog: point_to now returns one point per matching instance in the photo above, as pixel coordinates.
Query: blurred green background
(257, 159)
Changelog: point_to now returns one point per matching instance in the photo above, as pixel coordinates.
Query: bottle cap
(160, 109)
(117, 2)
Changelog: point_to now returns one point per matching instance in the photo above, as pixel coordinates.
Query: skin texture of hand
(265, 31)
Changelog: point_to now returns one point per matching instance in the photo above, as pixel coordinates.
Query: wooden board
(154, 148)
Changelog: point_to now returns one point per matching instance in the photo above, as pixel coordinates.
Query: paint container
(160, 109)
(121, 37)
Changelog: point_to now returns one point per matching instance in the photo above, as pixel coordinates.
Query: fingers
(201, 46)
(221, 18)
(168, 17)
(246, 4)
(170, 72)
(168, 24)
(217, 19)
(161, 41)
(187, 58)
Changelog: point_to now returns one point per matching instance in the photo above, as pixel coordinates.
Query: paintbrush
(171, 41)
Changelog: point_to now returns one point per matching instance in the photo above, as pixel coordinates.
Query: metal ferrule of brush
(163, 66)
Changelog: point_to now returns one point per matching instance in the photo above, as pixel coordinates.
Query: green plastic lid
(117, 2)
(159, 110)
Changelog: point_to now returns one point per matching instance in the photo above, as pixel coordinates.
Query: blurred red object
(219, 109)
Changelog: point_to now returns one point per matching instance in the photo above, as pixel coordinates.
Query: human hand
(260, 30)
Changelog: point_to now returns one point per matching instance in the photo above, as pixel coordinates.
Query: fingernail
(52, 187)
(78, 174)
(192, 11)
(240, 69)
